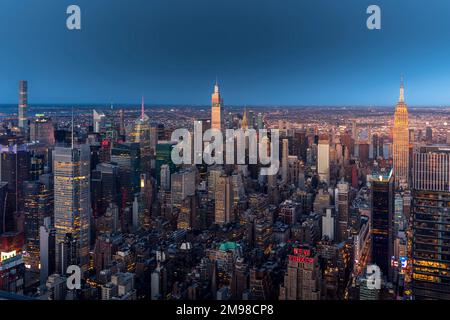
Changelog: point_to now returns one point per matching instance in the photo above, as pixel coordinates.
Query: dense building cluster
(356, 189)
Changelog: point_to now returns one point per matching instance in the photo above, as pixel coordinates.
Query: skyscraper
(382, 218)
(328, 224)
(244, 124)
(42, 131)
(4, 216)
(375, 146)
(141, 134)
(381, 146)
(23, 106)
(224, 200)
(300, 144)
(363, 151)
(216, 109)
(214, 172)
(302, 280)
(105, 188)
(343, 208)
(401, 140)
(127, 156)
(260, 121)
(122, 122)
(187, 214)
(429, 134)
(46, 249)
(431, 224)
(323, 161)
(146, 197)
(284, 161)
(165, 177)
(182, 185)
(14, 169)
(38, 200)
(98, 121)
(72, 204)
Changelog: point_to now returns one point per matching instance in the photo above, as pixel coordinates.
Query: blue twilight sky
(265, 52)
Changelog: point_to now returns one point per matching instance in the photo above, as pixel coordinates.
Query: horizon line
(138, 104)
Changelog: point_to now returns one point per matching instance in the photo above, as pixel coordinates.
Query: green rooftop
(229, 245)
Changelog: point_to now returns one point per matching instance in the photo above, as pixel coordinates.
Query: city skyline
(139, 103)
(102, 194)
(221, 195)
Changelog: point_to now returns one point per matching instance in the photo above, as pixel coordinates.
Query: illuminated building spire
(72, 128)
(402, 91)
(142, 109)
(216, 86)
(216, 109)
(245, 121)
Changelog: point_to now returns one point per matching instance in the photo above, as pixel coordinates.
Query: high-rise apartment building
(23, 106)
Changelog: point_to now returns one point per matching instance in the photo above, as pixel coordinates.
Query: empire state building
(401, 140)
(216, 110)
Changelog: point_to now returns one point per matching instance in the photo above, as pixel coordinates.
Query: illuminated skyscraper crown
(402, 91)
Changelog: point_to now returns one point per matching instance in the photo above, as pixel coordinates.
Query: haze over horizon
(265, 52)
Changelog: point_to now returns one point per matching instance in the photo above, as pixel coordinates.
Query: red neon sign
(301, 259)
(301, 256)
(302, 252)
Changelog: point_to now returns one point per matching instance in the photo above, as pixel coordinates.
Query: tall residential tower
(23, 106)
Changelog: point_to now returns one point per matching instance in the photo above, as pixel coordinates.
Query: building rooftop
(382, 174)
(229, 245)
